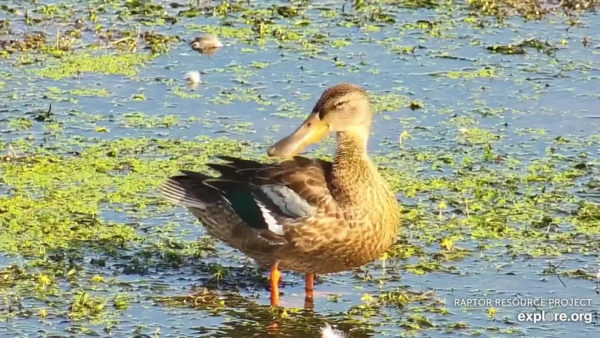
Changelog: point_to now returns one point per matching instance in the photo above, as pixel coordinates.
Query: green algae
(86, 306)
(68, 193)
(478, 135)
(290, 110)
(529, 9)
(20, 123)
(340, 43)
(97, 92)
(185, 93)
(519, 48)
(54, 212)
(495, 207)
(57, 94)
(235, 94)
(392, 102)
(141, 120)
(470, 74)
(243, 33)
(78, 64)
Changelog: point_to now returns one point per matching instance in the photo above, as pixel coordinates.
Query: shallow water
(515, 135)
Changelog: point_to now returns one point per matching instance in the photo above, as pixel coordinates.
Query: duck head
(343, 108)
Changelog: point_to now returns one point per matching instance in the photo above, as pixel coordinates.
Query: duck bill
(311, 131)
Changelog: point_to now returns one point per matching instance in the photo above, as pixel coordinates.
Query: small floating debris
(404, 135)
(206, 44)
(193, 77)
(519, 48)
(586, 41)
(43, 115)
(79, 24)
(328, 332)
(11, 155)
(507, 49)
(549, 5)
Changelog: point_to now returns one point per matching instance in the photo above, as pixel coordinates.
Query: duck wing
(265, 197)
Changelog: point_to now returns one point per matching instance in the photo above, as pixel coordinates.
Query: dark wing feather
(241, 198)
(242, 163)
(307, 178)
(262, 195)
(228, 171)
(187, 190)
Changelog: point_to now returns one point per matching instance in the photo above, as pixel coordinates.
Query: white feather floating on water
(329, 332)
(193, 76)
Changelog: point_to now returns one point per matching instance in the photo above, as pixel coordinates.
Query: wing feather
(266, 196)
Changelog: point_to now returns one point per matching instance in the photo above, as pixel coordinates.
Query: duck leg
(275, 277)
(308, 290)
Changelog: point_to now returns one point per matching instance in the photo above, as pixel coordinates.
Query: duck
(206, 44)
(309, 216)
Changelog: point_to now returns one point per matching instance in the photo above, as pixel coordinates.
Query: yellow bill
(311, 131)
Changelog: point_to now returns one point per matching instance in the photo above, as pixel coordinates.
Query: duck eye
(340, 104)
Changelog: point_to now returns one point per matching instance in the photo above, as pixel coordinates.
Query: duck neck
(352, 169)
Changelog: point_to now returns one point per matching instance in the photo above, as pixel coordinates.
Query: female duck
(306, 215)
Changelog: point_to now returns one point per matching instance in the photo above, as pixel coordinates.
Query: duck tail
(188, 190)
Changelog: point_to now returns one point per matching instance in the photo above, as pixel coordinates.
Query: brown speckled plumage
(337, 215)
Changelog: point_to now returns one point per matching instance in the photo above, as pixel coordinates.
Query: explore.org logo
(560, 310)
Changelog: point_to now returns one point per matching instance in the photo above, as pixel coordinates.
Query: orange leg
(310, 284)
(308, 291)
(275, 276)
